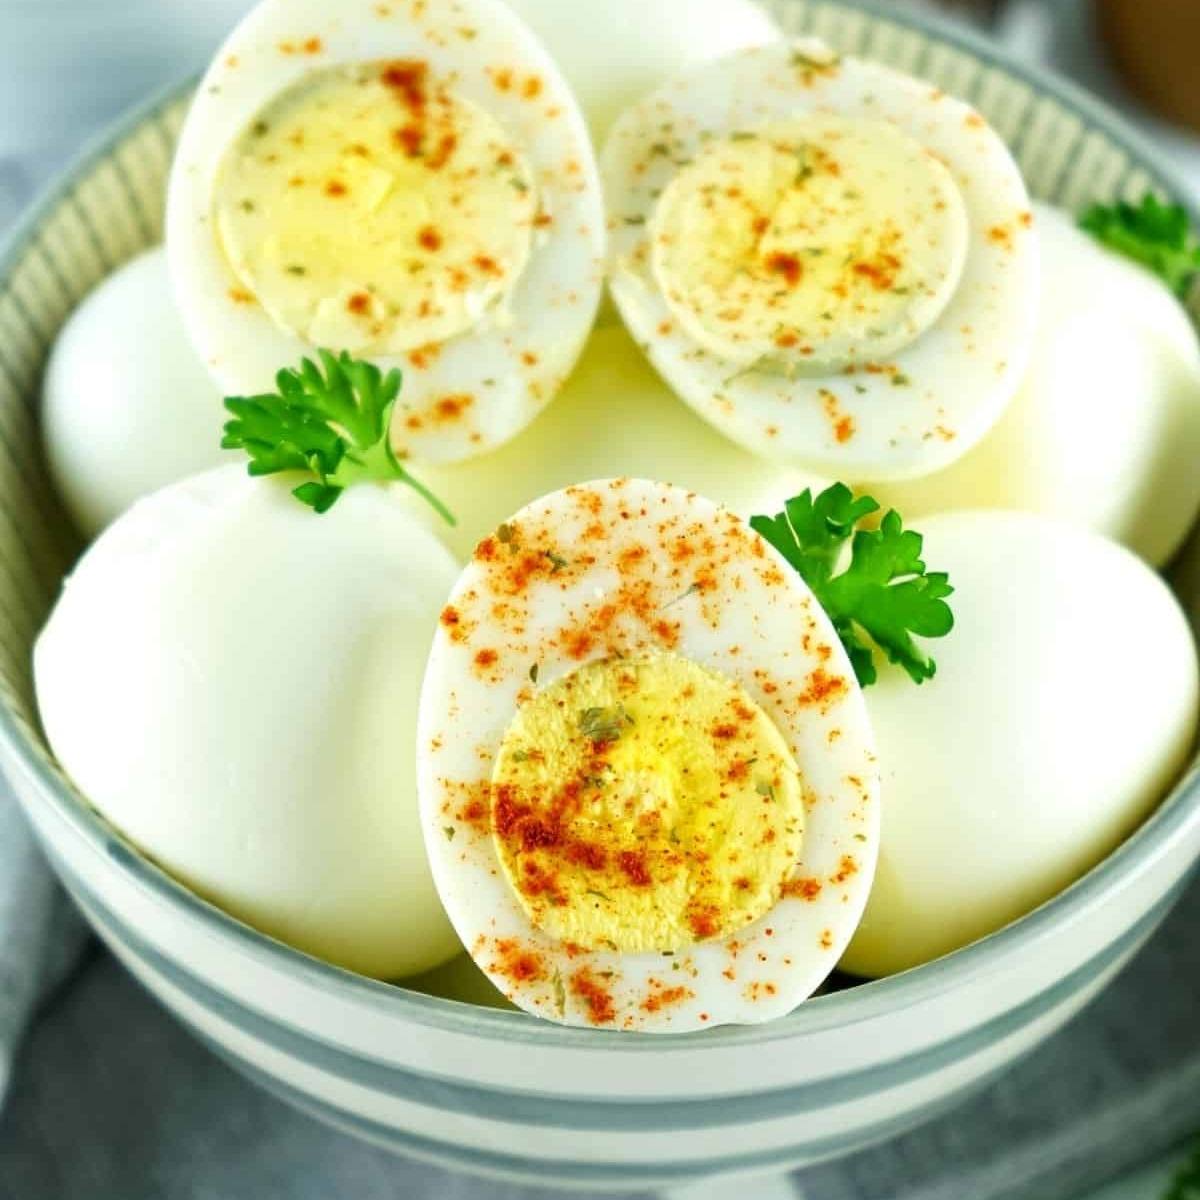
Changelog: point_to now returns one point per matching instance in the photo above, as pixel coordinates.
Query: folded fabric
(41, 933)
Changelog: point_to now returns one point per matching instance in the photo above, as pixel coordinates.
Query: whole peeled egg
(127, 405)
(462, 981)
(615, 416)
(613, 54)
(1063, 707)
(1105, 429)
(232, 681)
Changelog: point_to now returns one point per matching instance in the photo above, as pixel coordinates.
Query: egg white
(462, 982)
(959, 374)
(1064, 706)
(511, 368)
(614, 417)
(127, 406)
(232, 681)
(758, 625)
(1105, 428)
(614, 53)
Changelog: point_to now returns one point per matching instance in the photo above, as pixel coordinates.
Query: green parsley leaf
(330, 424)
(604, 725)
(1186, 1184)
(884, 595)
(1154, 234)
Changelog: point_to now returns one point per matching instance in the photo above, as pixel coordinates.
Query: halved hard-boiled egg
(412, 183)
(648, 788)
(831, 261)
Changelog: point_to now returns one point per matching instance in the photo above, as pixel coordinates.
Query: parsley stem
(379, 463)
(422, 491)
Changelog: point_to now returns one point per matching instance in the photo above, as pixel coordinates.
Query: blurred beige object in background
(1154, 44)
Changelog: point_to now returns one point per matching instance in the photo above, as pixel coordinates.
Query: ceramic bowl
(495, 1092)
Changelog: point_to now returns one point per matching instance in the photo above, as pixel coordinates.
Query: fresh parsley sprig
(330, 422)
(1155, 234)
(883, 597)
(1186, 1184)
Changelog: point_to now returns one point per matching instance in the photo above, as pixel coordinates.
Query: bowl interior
(109, 206)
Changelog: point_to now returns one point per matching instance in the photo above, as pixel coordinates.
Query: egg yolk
(645, 804)
(369, 208)
(815, 242)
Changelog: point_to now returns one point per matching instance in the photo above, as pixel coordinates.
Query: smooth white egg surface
(613, 54)
(830, 261)
(614, 417)
(1063, 707)
(127, 406)
(647, 781)
(233, 681)
(413, 183)
(462, 981)
(1105, 429)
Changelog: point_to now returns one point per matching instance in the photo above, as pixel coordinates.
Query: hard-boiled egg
(232, 681)
(413, 183)
(1063, 707)
(647, 782)
(1105, 429)
(614, 417)
(462, 981)
(830, 261)
(614, 53)
(127, 405)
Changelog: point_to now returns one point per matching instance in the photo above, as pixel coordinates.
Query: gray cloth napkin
(113, 1100)
(41, 934)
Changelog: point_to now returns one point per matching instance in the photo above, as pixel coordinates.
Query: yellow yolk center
(645, 804)
(367, 208)
(815, 243)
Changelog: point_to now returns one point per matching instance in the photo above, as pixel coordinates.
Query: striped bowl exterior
(494, 1092)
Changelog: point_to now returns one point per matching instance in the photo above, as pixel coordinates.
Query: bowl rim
(1177, 817)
